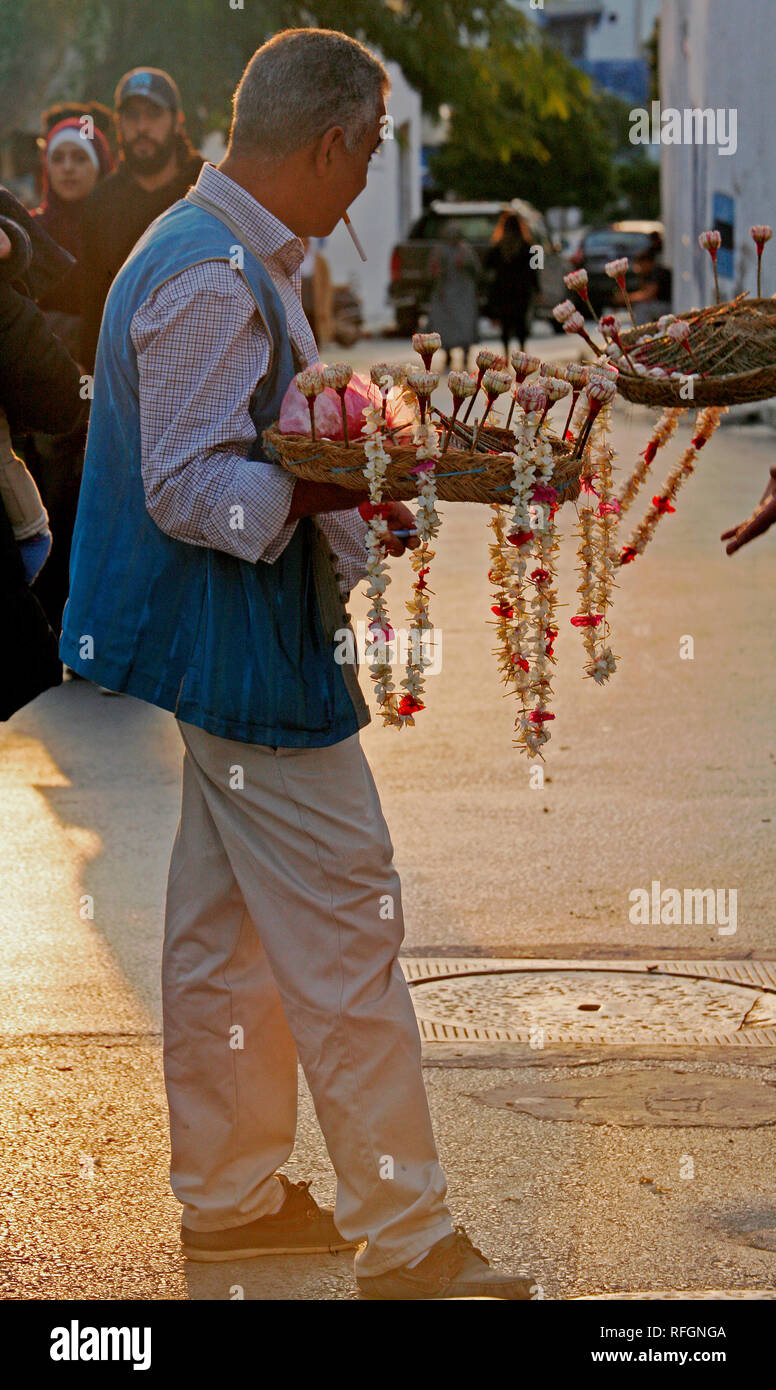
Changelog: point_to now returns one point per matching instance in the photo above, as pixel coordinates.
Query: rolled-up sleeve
(201, 348)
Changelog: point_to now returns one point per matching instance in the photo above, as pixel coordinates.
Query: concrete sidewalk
(586, 1209)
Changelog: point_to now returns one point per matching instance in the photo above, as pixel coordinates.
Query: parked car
(410, 282)
(609, 243)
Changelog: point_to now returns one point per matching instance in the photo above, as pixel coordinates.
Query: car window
(475, 226)
(613, 244)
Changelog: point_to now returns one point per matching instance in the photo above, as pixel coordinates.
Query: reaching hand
(399, 518)
(763, 517)
(5, 246)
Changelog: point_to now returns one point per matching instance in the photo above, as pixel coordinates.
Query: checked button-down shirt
(201, 348)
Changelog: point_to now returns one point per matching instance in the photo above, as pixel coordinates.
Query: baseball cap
(151, 83)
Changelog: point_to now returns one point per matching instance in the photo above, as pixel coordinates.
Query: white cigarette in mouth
(353, 236)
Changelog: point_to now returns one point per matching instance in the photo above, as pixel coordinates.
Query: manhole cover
(722, 1003)
(659, 1096)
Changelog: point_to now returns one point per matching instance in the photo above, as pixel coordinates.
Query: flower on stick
(426, 344)
(564, 310)
(494, 384)
(611, 331)
(617, 271)
(576, 375)
(338, 376)
(760, 234)
(575, 323)
(485, 358)
(577, 280)
(711, 242)
(460, 385)
(423, 384)
(524, 366)
(679, 332)
(310, 383)
(597, 394)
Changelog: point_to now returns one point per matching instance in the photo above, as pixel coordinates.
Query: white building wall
(625, 36)
(382, 214)
(718, 54)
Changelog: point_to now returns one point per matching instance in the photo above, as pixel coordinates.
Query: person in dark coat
(157, 166)
(39, 389)
(76, 156)
(514, 280)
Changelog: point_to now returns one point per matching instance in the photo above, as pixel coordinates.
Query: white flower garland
(533, 733)
(394, 709)
(375, 470)
(426, 439)
(524, 624)
(513, 617)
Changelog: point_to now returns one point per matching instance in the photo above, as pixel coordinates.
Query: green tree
(441, 45)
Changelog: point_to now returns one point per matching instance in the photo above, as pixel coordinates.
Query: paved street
(668, 774)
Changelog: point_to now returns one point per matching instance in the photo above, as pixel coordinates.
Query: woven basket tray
(735, 346)
(461, 476)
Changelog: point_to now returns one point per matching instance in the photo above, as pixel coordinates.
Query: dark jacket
(115, 215)
(39, 389)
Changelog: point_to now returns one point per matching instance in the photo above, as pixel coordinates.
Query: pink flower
(760, 234)
(563, 311)
(531, 397)
(617, 270)
(577, 280)
(711, 242)
(609, 508)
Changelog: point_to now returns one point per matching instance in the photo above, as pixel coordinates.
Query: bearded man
(158, 165)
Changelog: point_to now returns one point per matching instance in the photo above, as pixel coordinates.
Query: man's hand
(5, 246)
(763, 517)
(399, 518)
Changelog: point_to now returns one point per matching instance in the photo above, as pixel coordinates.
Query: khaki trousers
(283, 927)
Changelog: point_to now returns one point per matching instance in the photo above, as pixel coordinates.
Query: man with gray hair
(210, 582)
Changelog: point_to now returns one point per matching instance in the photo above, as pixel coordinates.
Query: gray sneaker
(453, 1268)
(301, 1227)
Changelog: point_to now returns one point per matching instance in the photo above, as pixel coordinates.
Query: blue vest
(243, 650)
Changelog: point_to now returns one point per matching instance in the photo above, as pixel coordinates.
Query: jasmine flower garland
(531, 723)
(427, 519)
(375, 469)
(511, 608)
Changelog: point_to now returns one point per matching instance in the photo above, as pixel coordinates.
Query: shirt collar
(265, 235)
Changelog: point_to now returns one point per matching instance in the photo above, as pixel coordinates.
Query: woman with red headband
(76, 156)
